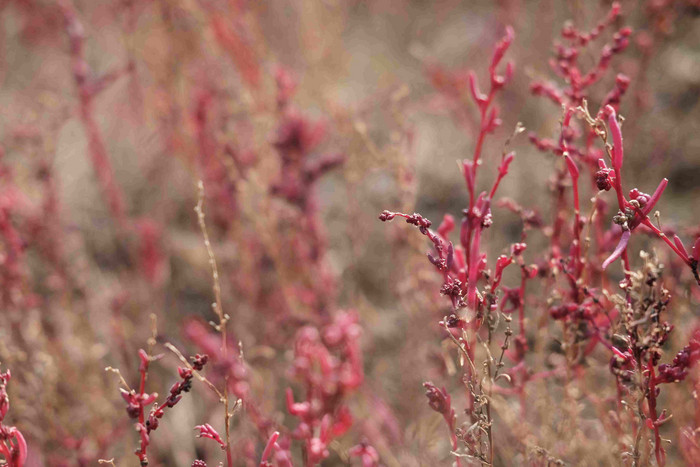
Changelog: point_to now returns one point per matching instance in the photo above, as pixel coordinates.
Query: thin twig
(218, 309)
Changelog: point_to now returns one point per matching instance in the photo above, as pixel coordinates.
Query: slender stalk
(218, 309)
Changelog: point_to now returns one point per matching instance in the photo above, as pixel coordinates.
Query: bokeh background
(186, 90)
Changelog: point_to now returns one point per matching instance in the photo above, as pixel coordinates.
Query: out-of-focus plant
(13, 447)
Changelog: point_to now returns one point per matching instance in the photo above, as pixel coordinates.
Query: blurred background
(113, 110)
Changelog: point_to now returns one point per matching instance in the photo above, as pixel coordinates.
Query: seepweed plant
(557, 363)
(626, 318)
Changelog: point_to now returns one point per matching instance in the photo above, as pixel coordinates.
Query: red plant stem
(502, 172)
(87, 88)
(647, 222)
(574, 173)
(473, 269)
(617, 158)
(269, 447)
(622, 204)
(143, 457)
(617, 184)
(143, 370)
(142, 384)
(500, 177)
(616, 162)
(651, 398)
(479, 143)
